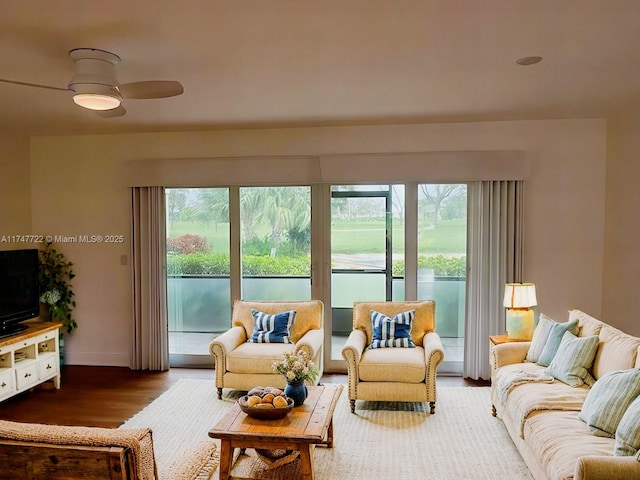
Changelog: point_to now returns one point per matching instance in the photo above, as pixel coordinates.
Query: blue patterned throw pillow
(392, 332)
(272, 328)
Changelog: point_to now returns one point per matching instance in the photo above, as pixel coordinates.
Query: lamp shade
(520, 295)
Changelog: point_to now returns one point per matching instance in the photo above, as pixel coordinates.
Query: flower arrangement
(296, 367)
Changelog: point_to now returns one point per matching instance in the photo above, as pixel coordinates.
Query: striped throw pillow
(540, 335)
(609, 399)
(392, 332)
(553, 340)
(272, 328)
(573, 360)
(628, 431)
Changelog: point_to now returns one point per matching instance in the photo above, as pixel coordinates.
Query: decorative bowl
(264, 413)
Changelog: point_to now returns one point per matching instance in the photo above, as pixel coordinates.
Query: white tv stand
(29, 358)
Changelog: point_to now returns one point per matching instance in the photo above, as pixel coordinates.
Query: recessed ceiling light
(528, 60)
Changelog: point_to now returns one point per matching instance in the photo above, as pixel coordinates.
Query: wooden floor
(108, 396)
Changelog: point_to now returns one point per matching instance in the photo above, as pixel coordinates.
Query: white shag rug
(381, 440)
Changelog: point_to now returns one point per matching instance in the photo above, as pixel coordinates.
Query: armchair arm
(221, 346)
(433, 350)
(594, 467)
(509, 353)
(310, 342)
(351, 352)
(433, 357)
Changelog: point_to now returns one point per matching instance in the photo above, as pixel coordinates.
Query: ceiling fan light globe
(94, 101)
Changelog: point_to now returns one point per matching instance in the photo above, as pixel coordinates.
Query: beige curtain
(149, 333)
(494, 245)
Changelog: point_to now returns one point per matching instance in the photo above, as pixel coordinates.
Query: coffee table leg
(330, 434)
(226, 459)
(306, 461)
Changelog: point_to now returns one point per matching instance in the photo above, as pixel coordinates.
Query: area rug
(381, 440)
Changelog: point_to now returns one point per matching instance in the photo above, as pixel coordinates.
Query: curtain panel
(494, 246)
(150, 328)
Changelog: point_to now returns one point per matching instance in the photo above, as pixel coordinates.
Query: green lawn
(449, 237)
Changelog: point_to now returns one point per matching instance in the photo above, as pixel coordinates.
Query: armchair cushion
(405, 365)
(256, 357)
(391, 332)
(274, 328)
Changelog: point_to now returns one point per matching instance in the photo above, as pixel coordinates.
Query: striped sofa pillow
(609, 399)
(628, 431)
(573, 360)
(392, 332)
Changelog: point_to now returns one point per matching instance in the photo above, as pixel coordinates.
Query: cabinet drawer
(47, 366)
(26, 375)
(6, 384)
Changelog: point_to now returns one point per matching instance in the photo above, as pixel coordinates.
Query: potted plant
(296, 368)
(56, 294)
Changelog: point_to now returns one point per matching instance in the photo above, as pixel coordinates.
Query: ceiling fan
(94, 84)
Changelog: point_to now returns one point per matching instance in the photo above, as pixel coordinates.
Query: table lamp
(518, 300)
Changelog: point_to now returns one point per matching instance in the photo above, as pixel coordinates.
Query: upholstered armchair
(394, 373)
(241, 364)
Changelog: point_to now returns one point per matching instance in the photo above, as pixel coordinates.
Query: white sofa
(541, 416)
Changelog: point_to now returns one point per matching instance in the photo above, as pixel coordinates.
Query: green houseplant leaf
(54, 275)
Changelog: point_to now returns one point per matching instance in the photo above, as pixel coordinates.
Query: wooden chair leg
(433, 407)
(352, 402)
(493, 411)
(219, 393)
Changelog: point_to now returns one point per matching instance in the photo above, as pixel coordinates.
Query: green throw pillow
(628, 431)
(540, 336)
(609, 399)
(573, 360)
(554, 339)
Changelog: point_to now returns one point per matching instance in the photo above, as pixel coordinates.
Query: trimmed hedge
(218, 264)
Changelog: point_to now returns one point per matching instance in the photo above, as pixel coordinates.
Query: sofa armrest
(595, 467)
(510, 353)
(310, 342)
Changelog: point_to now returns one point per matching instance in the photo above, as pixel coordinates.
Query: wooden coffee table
(306, 426)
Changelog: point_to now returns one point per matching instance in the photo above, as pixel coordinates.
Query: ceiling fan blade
(37, 85)
(151, 89)
(114, 112)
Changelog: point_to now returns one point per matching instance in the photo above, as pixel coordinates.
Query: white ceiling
(257, 63)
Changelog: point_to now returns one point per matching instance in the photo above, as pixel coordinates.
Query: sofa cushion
(608, 400)
(256, 357)
(628, 431)
(554, 339)
(539, 339)
(391, 332)
(573, 360)
(274, 328)
(559, 438)
(404, 365)
(587, 325)
(617, 351)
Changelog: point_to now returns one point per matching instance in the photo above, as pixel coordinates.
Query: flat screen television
(19, 292)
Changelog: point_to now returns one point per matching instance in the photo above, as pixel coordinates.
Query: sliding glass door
(372, 243)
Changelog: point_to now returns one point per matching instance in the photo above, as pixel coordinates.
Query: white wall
(79, 185)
